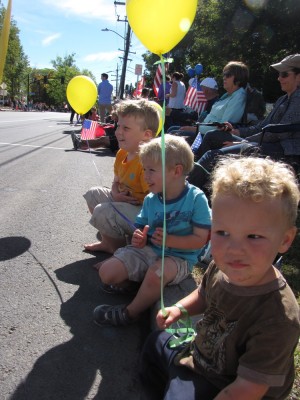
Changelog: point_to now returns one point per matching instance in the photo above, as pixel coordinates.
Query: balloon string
(186, 333)
(163, 158)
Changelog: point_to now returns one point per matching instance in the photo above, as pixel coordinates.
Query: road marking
(37, 119)
(30, 145)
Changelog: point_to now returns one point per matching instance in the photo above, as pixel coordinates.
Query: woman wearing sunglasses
(231, 105)
(276, 145)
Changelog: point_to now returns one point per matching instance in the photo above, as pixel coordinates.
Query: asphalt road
(49, 346)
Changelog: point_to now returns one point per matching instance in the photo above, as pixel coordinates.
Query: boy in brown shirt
(244, 344)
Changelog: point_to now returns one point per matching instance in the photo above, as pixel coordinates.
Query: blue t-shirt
(189, 209)
(230, 108)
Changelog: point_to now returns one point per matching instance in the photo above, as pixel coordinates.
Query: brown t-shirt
(246, 331)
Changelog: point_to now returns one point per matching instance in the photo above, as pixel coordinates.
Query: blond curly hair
(256, 179)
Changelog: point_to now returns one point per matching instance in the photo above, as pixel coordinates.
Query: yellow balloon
(160, 24)
(160, 111)
(81, 93)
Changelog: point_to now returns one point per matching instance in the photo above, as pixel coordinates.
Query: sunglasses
(284, 74)
(227, 74)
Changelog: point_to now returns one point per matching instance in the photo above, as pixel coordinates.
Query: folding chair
(282, 129)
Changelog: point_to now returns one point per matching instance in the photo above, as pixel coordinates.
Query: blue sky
(51, 28)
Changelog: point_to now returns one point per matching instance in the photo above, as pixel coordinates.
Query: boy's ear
(148, 134)
(288, 239)
(178, 170)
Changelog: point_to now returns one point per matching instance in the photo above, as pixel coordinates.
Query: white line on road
(30, 145)
(36, 119)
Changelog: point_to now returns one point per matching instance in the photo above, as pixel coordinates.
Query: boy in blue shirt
(187, 231)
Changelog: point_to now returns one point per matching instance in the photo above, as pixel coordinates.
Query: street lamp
(110, 30)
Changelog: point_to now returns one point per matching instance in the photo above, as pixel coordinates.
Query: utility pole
(126, 52)
(127, 39)
(117, 80)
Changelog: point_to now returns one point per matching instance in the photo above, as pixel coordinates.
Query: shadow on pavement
(98, 362)
(13, 246)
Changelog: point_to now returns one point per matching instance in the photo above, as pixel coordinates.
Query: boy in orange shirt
(113, 209)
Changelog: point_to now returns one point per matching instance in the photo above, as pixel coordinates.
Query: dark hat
(287, 63)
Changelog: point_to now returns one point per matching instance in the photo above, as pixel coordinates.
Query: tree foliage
(49, 85)
(46, 85)
(64, 69)
(16, 64)
(257, 32)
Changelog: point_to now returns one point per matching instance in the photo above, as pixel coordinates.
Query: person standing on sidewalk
(104, 96)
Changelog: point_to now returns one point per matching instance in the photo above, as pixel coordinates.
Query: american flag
(157, 80)
(196, 143)
(195, 98)
(91, 130)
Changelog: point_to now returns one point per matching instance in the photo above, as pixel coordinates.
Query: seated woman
(210, 89)
(277, 146)
(231, 105)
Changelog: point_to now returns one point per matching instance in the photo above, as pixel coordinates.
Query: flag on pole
(4, 38)
(157, 80)
(91, 130)
(196, 143)
(195, 98)
(139, 87)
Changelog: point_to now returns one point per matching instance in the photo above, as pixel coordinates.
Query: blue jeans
(162, 379)
(211, 150)
(173, 128)
(200, 175)
(214, 140)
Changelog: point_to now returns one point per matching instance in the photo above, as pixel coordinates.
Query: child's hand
(173, 315)
(125, 197)
(139, 238)
(157, 237)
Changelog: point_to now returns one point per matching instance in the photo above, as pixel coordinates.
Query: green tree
(256, 32)
(64, 69)
(16, 65)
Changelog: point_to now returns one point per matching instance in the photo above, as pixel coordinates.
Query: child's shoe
(105, 315)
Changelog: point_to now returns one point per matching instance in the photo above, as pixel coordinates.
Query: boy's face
(153, 176)
(246, 237)
(130, 133)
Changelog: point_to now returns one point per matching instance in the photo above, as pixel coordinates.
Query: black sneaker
(106, 315)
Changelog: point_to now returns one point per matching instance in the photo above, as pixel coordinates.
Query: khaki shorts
(97, 195)
(105, 218)
(138, 261)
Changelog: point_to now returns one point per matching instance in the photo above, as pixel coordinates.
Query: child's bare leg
(107, 244)
(149, 291)
(113, 272)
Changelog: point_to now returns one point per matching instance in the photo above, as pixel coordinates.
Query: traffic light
(62, 80)
(45, 79)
